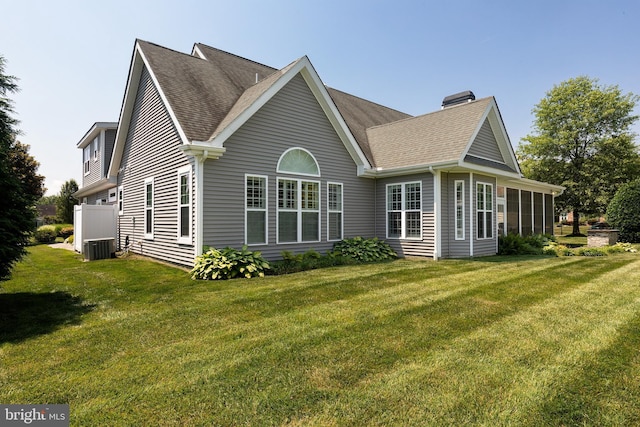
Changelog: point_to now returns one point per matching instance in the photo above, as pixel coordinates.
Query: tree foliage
(582, 141)
(20, 185)
(623, 212)
(65, 202)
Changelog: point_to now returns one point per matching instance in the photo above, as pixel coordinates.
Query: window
(484, 210)
(404, 211)
(334, 211)
(459, 209)
(148, 208)
(86, 155)
(255, 210)
(95, 148)
(121, 200)
(184, 205)
(298, 211)
(298, 161)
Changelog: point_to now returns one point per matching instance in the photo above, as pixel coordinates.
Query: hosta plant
(229, 263)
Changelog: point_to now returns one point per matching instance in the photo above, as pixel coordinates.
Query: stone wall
(598, 238)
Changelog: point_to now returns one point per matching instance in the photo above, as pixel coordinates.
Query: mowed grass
(531, 341)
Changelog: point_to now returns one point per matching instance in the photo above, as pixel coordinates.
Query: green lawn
(498, 341)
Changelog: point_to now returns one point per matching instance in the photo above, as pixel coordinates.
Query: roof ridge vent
(458, 98)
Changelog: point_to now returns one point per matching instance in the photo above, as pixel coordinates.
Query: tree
(20, 185)
(583, 142)
(623, 212)
(66, 201)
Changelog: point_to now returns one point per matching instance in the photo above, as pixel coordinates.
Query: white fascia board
(202, 151)
(475, 132)
(95, 131)
(131, 90)
(488, 170)
(407, 170)
(337, 121)
(530, 184)
(197, 52)
(137, 63)
(304, 67)
(165, 101)
(103, 184)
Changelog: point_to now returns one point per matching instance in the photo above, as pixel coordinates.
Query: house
(214, 149)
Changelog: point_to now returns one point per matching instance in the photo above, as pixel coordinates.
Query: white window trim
(298, 209)
(185, 240)
(86, 158)
(265, 210)
(455, 209)
(96, 148)
(403, 211)
(120, 200)
(485, 210)
(278, 170)
(149, 236)
(341, 211)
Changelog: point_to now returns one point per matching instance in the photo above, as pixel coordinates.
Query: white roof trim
(137, 63)
(304, 67)
(95, 131)
(501, 136)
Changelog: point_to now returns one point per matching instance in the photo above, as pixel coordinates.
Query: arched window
(298, 161)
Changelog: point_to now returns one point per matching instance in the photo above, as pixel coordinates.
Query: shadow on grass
(25, 315)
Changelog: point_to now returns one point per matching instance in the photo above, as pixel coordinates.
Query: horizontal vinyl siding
(292, 118)
(408, 247)
(152, 151)
(484, 247)
(485, 144)
(452, 248)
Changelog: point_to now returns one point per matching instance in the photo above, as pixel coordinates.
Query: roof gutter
(383, 173)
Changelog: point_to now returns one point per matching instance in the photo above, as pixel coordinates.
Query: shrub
(45, 234)
(364, 250)
(229, 263)
(65, 232)
(69, 240)
(515, 244)
(623, 212)
(293, 263)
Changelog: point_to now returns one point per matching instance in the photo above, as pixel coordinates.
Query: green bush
(45, 234)
(229, 263)
(310, 260)
(623, 212)
(69, 240)
(364, 250)
(515, 244)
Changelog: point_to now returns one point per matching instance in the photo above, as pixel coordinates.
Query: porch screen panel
(513, 214)
(538, 213)
(548, 214)
(526, 212)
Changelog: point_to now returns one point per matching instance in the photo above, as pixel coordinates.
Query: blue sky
(72, 57)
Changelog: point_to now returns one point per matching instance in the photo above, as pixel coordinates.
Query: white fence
(93, 222)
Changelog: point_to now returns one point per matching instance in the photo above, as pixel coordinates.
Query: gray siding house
(214, 149)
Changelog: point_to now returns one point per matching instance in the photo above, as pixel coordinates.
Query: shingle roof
(360, 114)
(207, 94)
(431, 138)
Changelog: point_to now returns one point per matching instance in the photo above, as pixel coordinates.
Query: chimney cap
(458, 98)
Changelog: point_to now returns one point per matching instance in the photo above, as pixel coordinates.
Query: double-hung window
(404, 211)
(255, 209)
(86, 156)
(459, 209)
(148, 208)
(484, 210)
(298, 211)
(334, 211)
(184, 205)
